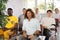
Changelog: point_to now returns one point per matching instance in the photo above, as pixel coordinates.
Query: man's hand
(31, 36)
(9, 32)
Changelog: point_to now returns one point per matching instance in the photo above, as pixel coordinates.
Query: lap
(23, 38)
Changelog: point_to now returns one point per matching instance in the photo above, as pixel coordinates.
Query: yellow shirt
(11, 20)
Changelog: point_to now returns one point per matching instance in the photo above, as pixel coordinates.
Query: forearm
(16, 25)
(37, 32)
(44, 26)
(24, 32)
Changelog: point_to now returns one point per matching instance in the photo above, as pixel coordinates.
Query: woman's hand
(31, 36)
(24, 35)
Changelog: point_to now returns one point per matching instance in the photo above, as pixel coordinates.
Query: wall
(16, 5)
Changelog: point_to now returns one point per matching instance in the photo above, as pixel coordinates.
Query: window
(31, 4)
(49, 4)
(43, 5)
(56, 3)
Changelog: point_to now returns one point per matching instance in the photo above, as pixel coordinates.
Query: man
(47, 24)
(57, 18)
(38, 15)
(11, 25)
(56, 14)
(21, 18)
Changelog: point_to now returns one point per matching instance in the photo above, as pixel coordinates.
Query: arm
(15, 23)
(24, 30)
(38, 28)
(19, 18)
(24, 34)
(42, 22)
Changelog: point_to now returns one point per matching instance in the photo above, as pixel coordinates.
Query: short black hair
(33, 15)
(49, 11)
(10, 9)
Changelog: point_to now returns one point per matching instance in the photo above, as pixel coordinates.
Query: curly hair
(33, 15)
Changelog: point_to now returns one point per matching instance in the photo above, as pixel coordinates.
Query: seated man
(56, 15)
(12, 24)
(31, 26)
(47, 24)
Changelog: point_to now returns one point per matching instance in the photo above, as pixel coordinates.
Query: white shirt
(38, 16)
(48, 21)
(31, 26)
(56, 15)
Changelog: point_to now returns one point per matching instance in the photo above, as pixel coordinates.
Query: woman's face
(29, 14)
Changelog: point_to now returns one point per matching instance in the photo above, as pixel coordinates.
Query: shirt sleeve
(53, 22)
(23, 27)
(42, 21)
(39, 17)
(19, 19)
(38, 25)
(16, 20)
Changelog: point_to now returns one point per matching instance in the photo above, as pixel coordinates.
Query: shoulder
(53, 18)
(36, 20)
(21, 15)
(24, 20)
(44, 18)
(14, 16)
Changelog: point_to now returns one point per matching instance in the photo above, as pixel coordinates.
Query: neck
(49, 16)
(36, 12)
(10, 15)
(29, 19)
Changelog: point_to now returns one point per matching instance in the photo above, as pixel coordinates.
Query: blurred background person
(21, 18)
(38, 15)
(57, 18)
(56, 15)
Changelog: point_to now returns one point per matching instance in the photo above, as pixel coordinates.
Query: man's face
(56, 11)
(24, 11)
(10, 12)
(36, 11)
(49, 14)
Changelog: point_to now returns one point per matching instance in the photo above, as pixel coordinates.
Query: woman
(31, 26)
